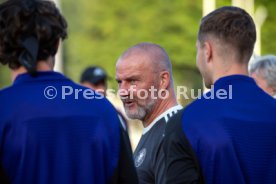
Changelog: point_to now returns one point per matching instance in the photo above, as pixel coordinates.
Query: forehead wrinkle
(127, 71)
(128, 75)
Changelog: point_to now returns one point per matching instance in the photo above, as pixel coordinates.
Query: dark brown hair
(232, 26)
(20, 19)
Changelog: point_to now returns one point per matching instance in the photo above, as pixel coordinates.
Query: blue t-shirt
(64, 140)
(235, 138)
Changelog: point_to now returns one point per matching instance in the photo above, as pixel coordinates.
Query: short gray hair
(157, 53)
(265, 66)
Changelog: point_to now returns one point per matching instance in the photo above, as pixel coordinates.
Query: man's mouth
(128, 103)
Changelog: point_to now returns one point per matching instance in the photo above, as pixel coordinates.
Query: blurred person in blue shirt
(46, 135)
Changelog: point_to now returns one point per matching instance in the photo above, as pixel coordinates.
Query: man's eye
(132, 82)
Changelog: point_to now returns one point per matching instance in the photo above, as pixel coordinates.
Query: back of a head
(265, 66)
(94, 75)
(232, 26)
(22, 19)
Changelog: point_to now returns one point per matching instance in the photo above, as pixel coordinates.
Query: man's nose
(124, 88)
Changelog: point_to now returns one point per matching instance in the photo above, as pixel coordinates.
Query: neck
(159, 108)
(231, 70)
(45, 65)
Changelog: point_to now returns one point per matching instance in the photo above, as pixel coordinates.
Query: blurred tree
(100, 30)
(5, 77)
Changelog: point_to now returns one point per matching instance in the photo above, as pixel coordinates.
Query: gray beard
(141, 111)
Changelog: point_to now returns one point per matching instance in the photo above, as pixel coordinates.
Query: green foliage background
(100, 30)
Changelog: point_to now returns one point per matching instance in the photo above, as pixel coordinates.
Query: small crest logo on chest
(140, 157)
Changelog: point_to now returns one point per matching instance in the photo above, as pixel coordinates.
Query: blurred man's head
(30, 31)
(95, 77)
(226, 35)
(140, 68)
(263, 70)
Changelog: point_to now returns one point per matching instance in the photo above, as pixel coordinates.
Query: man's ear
(208, 51)
(164, 79)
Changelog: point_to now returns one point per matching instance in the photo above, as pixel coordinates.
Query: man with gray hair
(263, 70)
(144, 76)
